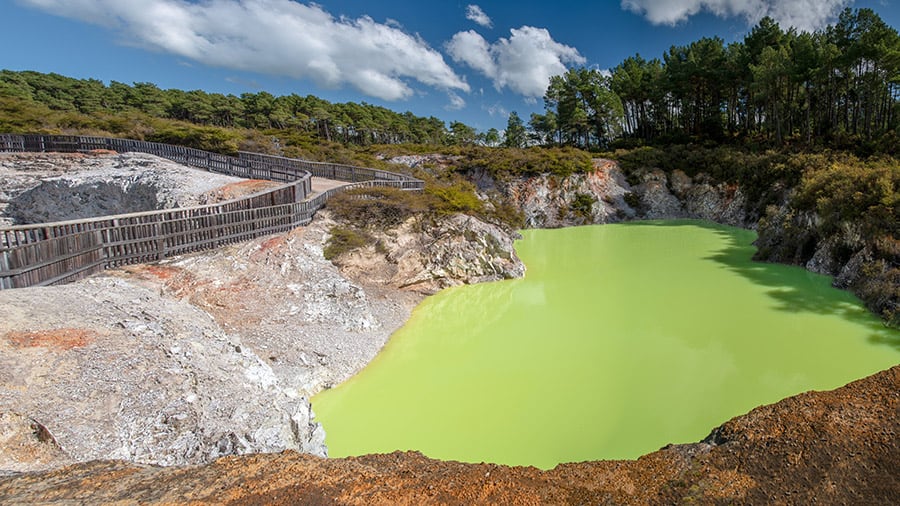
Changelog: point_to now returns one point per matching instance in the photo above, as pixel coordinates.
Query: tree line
(776, 86)
(349, 123)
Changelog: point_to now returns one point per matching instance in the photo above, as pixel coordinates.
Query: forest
(838, 87)
(341, 122)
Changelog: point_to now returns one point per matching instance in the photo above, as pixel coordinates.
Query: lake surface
(620, 339)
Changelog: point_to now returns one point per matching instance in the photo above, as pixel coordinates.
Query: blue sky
(467, 61)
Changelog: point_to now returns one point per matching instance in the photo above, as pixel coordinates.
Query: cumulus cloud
(474, 13)
(524, 62)
(806, 15)
(277, 37)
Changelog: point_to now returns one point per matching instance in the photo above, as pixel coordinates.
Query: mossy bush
(377, 207)
(583, 205)
(454, 196)
(344, 239)
(217, 140)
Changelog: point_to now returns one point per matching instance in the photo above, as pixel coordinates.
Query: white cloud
(523, 63)
(806, 15)
(496, 110)
(456, 102)
(474, 13)
(277, 37)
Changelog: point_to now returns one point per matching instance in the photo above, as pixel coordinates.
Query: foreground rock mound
(837, 447)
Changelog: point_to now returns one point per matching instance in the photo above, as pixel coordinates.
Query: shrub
(854, 191)
(505, 213)
(506, 162)
(377, 206)
(633, 200)
(583, 205)
(343, 240)
(217, 140)
(456, 196)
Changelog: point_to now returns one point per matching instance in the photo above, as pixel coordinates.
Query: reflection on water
(621, 339)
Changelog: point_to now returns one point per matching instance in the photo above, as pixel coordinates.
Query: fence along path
(60, 252)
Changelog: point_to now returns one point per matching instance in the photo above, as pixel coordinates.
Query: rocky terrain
(837, 447)
(214, 353)
(109, 369)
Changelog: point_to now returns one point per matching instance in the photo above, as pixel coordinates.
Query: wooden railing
(55, 253)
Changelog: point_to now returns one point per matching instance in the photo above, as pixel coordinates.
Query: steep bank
(606, 194)
(837, 447)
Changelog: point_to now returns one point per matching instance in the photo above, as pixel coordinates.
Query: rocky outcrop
(427, 256)
(837, 447)
(680, 196)
(310, 323)
(787, 235)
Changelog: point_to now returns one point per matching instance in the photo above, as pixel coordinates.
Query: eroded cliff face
(605, 196)
(680, 196)
(789, 236)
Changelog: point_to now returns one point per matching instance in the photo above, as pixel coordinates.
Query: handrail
(59, 252)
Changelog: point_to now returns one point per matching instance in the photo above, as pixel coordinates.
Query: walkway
(322, 185)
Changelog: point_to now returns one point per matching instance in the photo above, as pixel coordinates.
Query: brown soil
(59, 339)
(227, 302)
(837, 447)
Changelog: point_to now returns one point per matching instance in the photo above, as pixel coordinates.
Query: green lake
(620, 339)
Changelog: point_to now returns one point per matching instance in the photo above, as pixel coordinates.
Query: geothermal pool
(620, 339)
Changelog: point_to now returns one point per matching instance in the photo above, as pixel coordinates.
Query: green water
(620, 339)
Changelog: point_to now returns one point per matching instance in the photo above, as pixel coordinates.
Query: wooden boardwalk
(321, 185)
(55, 253)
